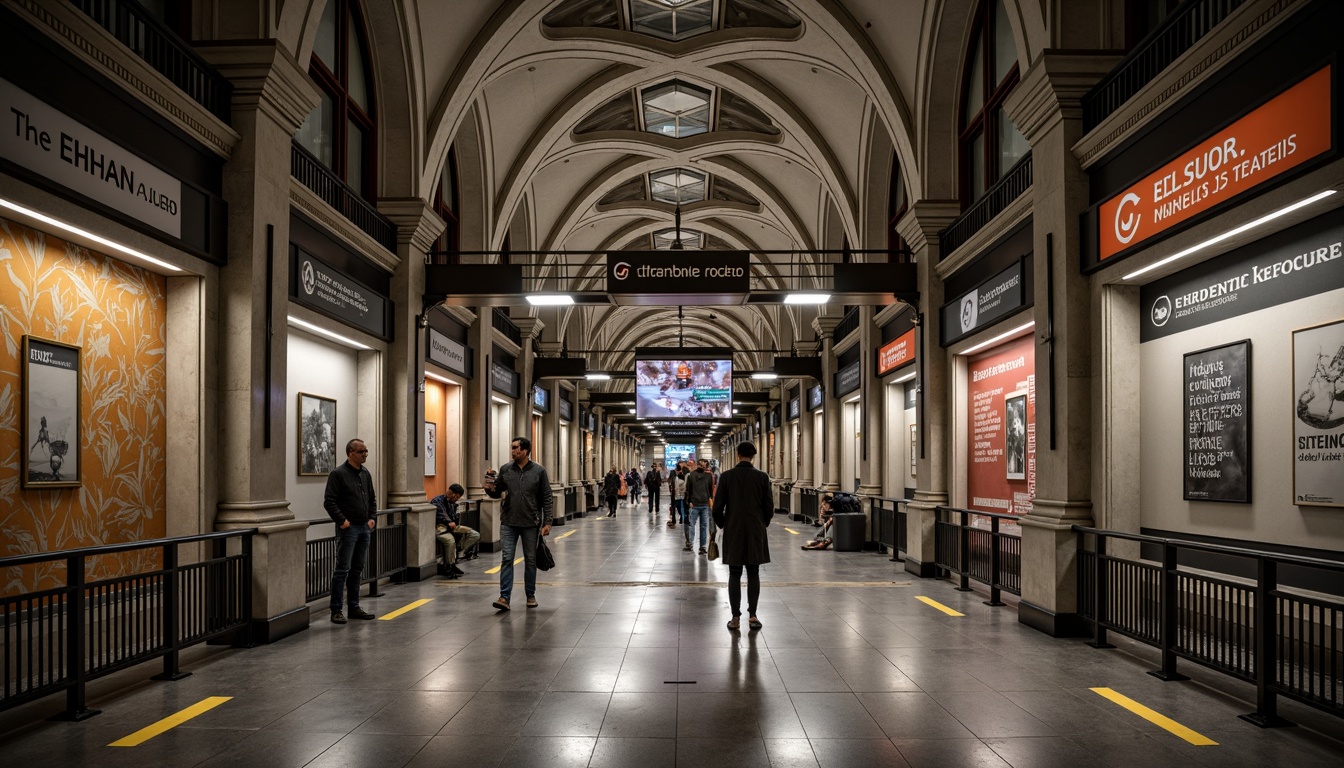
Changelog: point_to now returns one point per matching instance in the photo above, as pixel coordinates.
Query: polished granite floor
(627, 663)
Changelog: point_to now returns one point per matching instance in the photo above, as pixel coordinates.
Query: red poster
(1001, 460)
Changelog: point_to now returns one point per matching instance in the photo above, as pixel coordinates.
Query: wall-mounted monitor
(676, 452)
(682, 383)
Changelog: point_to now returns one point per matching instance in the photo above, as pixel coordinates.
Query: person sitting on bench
(454, 536)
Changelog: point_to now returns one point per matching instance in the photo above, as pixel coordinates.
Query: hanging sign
(896, 353)
(679, 277)
(992, 300)
(449, 353)
(847, 379)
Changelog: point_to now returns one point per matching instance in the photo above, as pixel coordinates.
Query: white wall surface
(318, 367)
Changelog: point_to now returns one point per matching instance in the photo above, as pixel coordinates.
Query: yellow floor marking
(938, 605)
(790, 530)
(497, 568)
(569, 533)
(403, 609)
(170, 722)
(1158, 719)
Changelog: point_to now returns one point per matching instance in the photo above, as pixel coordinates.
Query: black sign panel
(814, 398)
(1217, 397)
(1301, 261)
(793, 409)
(503, 380)
(566, 410)
(661, 277)
(319, 286)
(541, 399)
(847, 379)
(991, 301)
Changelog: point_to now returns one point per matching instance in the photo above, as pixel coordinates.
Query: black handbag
(545, 560)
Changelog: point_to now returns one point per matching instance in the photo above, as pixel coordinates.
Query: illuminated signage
(896, 353)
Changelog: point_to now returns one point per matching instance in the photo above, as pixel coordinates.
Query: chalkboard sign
(1217, 395)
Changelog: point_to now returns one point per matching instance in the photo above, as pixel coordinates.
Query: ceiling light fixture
(597, 376)
(1000, 337)
(437, 377)
(765, 376)
(550, 299)
(1231, 233)
(807, 298)
(72, 229)
(307, 326)
(906, 377)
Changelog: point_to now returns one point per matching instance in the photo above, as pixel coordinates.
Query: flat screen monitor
(676, 452)
(684, 387)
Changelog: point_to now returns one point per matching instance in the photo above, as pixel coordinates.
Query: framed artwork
(431, 448)
(914, 434)
(1015, 435)
(1318, 415)
(51, 410)
(317, 434)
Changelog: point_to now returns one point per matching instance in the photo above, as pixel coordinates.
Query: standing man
(526, 510)
(352, 505)
(742, 508)
(653, 485)
(699, 488)
(447, 529)
(611, 488)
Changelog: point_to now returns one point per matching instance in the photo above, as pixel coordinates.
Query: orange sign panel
(896, 352)
(1281, 134)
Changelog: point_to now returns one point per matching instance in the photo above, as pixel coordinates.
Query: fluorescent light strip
(103, 241)
(597, 377)
(1232, 233)
(765, 376)
(906, 377)
(324, 332)
(550, 299)
(1000, 337)
(437, 377)
(806, 298)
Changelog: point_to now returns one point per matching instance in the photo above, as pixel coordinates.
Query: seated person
(823, 541)
(454, 536)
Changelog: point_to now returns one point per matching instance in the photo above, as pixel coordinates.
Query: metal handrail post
(246, 635)
(1167, 631)
(896, 533)
(994, 563)
(171, 598)
(1266, 714)
(1099, 593)
(76, 695)
(965, 554)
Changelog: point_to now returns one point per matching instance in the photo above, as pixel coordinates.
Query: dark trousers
(611, 504)
(735, 588)
(352, 549)
(653, 500)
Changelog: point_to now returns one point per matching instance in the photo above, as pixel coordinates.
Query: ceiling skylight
(676, 109)
(672, 19)
(677, 186)
(691, 240)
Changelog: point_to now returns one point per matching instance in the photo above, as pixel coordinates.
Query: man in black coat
(743, 507)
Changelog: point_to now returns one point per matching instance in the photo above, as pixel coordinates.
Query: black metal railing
(311, 173)
(886, 517)
(848, 324)
(990, 555)
(786, 498)
(388, 545)
(162, 49)
(809, 505)
(1007, 189)
(61, 638)
(500, 321)
(572, 502)
(1154, 53)
(1288, 643)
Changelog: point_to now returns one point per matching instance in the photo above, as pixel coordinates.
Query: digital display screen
(683, 389)
(676, 452)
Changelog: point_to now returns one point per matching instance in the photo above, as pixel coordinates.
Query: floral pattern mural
(117, 314)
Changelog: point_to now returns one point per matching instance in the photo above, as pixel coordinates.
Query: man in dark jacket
(351, 503)
(448, 529)
(611, 488)
(699, 488)
(742, 508)
(527, 509)
(653, 485)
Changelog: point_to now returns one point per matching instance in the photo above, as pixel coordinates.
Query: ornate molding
(266, 77)
(921, 224)
(342, 228)
(418, 226)
(1052, 90)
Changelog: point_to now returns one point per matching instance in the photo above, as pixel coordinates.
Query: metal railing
(572, 502)
(1007, 189)
(988, 555)
(1176, 35)
(1287, 643)
(162, 49)
(786, 498)
(311, 173)
(388, 545)
(61, 638)
(847, 325)
(500, 321)
(809, 507)
(886, 518)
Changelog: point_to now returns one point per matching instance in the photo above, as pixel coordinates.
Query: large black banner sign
(660, 277)
(1217, 396)
(992, 300)
(319, 286)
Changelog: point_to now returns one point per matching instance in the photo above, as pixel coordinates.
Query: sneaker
(701, 551)
(337, 617)
(502, 604)
(686, 548)
(356, 613)
(531, 601)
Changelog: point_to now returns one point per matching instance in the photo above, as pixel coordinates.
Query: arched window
(896, 207)
(445, 204)
(990, 143)
(341, 132)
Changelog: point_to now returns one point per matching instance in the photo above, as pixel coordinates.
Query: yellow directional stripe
(404, 609)
(790, 530)
(938, 605)
(497, 568)
(568, 533)
(170, 722)
(1156, 718)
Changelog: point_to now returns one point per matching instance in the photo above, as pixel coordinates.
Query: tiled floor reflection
(627, 663)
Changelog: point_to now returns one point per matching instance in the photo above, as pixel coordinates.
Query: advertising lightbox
(678, 385)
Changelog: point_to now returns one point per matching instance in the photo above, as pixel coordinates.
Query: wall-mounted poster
(1318, 415)
(317, 434)
(1015, 435)
(431, 448)
(51, 437)
(1217, 426)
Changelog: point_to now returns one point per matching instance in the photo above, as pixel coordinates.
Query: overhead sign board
(320, 286)
(896, 353)
(679, 277)
(449, 353)
(1279, 135)
(991, 301)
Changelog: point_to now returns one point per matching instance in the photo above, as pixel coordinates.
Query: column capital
(921, 224)
(1052, 90)
(529, 326)
(824, 325)
(550, 348)
(418, 226)
(265, 77)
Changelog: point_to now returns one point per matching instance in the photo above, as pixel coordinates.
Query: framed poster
(51, 410)
(1318, 415)
(1015, 435)
(914, 433)
(317, 434)
(431, 448)
(1217, 427)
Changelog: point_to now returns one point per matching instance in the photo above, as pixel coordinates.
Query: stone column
(1047, 107)
(806, 438)
(873, 402)
(920, 228)
(530, 328)
(478, 412)
(551, 428)
(830, 458)
(417, 229)
(574, 472)
(272, 96)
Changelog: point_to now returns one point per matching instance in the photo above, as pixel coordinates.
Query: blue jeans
(509, 535)
(352, 549)
(699, 516)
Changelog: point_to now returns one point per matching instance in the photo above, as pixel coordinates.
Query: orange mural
(117, 315)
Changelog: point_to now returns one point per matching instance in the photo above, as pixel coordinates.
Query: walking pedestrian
(743, 508)
(527, 508)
